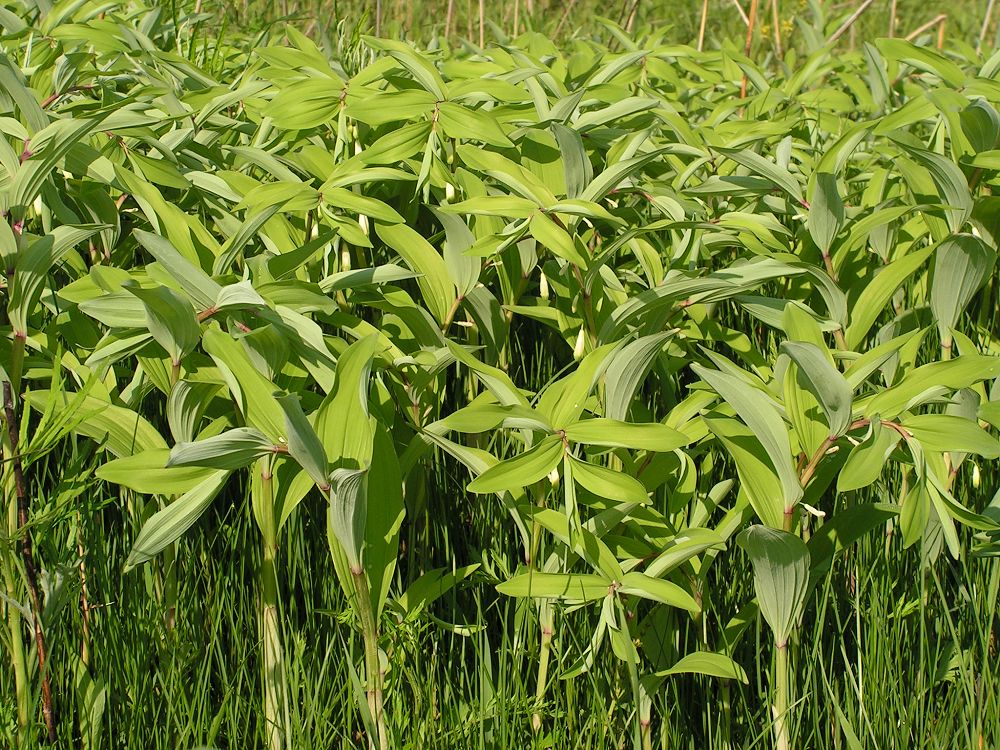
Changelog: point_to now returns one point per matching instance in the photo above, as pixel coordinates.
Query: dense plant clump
(517, 395)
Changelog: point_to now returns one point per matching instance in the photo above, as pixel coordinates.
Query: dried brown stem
(849, 22)
(751, 22)
(565, 16)
(987, 17)
(776, 23)
(27, 556)
(940, 18)
(701, 26)
(449, 19)
(743, 13)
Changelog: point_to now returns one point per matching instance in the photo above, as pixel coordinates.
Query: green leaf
(945, 432)
(962, 264)
(578, 587)
(826, 212)
(707, 663)
(480, 417)
(348, 200)
(930, 381)
(252, 392)
(147, 473)
(33, 264)
(522, 470)
(122, 431)
(435, 282)
(303, 444)
(952, 185)
(349, 511)
(758, 479)
(342, 421)
(658, 590)
(627, 369)
(650, 436)
(233, 449)
(556, 239)
(682, 547)
(762, 417)
(765, 168)
(467, 124)
(170, 319)
(781, 566)
(866, 461)
(193, 281)
(824, 382)
(924, 59)
(168, 525)
(873, 299)
(463, 269)
(609, 484)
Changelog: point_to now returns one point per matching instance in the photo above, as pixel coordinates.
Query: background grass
(891, 654)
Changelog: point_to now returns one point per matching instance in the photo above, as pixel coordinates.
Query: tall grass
(221, 564)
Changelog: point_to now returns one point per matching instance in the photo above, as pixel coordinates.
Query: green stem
(373, 666)
(543, 665)
(781, 698)
(17, 361)
(170, 587)
(21, 688)
(273, 665)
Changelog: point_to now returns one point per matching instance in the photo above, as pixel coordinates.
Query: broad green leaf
(650, 436)
(342, 421)
(930, 381)
(349, 511)
(658, 590)
(866, 461)
(758, 479)
(682, 547)
(147, 473)
(122, 431)
(233, 449)
(627, 369)
(613, 485)
(170, 319)
(435, 282)
(765, 168)
(781, 566)
(192, 280)
(168, 525)
(824, 382)
(962, 264)
(579, 587)
(945, 432)
(252, 392)
(522, 470)
(33, 264)
(555, 238)
(922, 58)
(464, 270)
(707, 663)
(826, 212)
(763, 419)
(303, 444)
(873, 299)
(471, 125)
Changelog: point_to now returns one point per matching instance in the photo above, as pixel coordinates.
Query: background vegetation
(583, 388)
